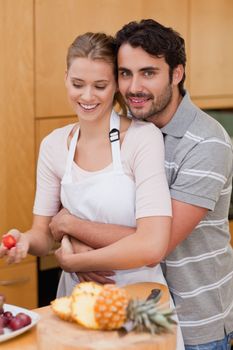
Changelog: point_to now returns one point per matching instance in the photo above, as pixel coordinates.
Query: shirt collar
(182, 118)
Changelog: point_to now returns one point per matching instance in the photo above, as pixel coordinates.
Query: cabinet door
(16, 114)
(211, 45)
(19, 284)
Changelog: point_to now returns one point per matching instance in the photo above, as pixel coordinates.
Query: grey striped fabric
(200, 270)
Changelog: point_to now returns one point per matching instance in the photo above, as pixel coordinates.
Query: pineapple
(62, 308)
(145, 315)
(110, 307)
(84, 297)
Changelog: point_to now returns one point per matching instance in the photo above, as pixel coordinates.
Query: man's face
(144, 83)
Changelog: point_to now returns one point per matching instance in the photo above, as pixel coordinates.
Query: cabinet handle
(16, 281)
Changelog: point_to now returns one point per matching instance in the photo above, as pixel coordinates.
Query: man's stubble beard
(158, 106)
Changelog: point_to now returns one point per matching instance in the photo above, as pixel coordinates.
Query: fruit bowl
(8, 334)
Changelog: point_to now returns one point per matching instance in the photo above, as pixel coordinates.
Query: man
(199, 262)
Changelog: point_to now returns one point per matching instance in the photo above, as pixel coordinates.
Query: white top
(142, 155)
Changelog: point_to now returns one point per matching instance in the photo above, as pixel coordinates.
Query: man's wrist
(72, 225)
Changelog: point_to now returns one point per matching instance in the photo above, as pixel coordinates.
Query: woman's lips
(88, 107)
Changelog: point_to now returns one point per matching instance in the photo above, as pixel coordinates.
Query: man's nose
(135, 85)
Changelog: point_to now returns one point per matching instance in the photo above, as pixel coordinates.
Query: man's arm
(97, 235)
(185, 218)
(93, 234)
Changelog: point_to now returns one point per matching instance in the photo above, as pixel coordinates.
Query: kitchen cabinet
(18, 283)
(17, 157)
(211, 53)
(58, 22)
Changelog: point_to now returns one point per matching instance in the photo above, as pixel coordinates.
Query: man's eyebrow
(123, 69)
(150, 68)
(143, 69)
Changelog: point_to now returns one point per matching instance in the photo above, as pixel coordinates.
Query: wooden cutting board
(54, 333)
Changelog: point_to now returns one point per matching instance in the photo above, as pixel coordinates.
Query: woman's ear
(178, 74)
(65, 77)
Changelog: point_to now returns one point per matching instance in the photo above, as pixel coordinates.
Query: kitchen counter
(52, 333)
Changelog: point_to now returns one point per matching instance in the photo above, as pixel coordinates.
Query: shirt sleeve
(204, 174)
(47, 199)
(147, 164)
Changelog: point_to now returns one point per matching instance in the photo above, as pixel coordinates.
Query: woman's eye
(77, 86)
(100, 87)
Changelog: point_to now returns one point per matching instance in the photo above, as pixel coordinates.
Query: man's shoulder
(204, 126)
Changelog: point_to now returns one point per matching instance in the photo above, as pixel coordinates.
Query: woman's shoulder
(57, 135)
(141, 130)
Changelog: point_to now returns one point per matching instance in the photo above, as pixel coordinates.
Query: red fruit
(15, 323)
(9, 241)
(25, 319)
(7, 317)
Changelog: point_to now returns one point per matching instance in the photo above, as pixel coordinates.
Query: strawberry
(9, 241)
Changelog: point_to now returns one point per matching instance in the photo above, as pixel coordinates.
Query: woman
(108, 169)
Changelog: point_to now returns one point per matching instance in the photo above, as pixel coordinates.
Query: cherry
(9, 241)
(25, 319)
(15, 323)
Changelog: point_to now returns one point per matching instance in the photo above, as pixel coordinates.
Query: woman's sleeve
(47, 199)
(152, 192)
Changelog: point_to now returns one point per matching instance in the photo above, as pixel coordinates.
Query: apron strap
(114, 137)
(70, 157)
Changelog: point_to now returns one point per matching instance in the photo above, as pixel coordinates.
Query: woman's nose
(87, 93)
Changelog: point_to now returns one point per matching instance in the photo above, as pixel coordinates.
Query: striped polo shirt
(199, 271)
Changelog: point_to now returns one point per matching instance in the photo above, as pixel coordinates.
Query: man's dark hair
(156, 40)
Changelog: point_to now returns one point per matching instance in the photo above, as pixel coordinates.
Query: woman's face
(91, 87)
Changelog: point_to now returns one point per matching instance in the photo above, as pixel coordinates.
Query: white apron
(106, 197)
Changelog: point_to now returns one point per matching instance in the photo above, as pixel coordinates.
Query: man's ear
(178, 74)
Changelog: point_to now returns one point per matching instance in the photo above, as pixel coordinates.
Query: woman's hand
(58, 224)
(96, 276)
(19, 251)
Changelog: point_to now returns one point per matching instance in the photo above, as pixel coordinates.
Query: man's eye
(149, 74)
(124, 74)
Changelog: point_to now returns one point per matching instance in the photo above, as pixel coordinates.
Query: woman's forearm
(39, 237)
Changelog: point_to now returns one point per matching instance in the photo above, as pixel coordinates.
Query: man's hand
(99, 277)
(58, 224)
